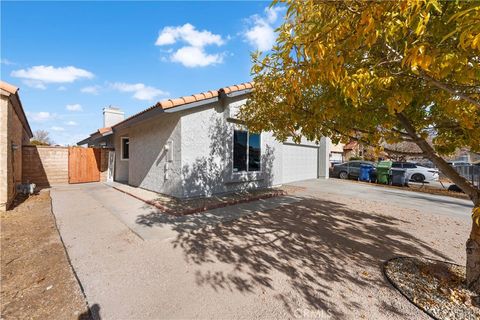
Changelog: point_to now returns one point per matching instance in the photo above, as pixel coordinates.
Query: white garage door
(299, 163)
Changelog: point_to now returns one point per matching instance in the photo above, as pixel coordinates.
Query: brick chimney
(112, 116)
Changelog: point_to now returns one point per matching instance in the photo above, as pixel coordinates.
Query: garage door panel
(299, 163)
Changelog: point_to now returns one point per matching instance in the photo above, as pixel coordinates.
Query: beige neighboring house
(336, 153)
(352, 149)
(14, 133)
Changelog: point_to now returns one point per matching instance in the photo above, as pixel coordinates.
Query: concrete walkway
(278, 258)
(121, 250)
(146, 221)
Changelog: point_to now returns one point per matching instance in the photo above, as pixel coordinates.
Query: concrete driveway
(423, 202)
(317, 255)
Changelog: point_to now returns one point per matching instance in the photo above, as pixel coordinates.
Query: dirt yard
(37, 280)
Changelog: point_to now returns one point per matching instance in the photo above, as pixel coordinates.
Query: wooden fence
(48, 166)
(83, 165)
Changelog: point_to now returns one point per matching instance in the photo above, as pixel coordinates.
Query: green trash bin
(383, 172)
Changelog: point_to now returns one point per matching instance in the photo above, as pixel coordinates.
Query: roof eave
(172, 106)
(84, 141)
(192, 105)
(238, 93)
(159, 110)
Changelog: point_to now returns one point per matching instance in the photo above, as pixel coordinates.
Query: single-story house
(14, 133)
(195, 146)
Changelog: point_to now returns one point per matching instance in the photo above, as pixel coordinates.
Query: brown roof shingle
(351, 145)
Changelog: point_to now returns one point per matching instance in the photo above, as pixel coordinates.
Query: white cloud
(195, 57)
(74, 107)
(187, 33)
(140, 90)
(261, 35)
(38, 76)
(272, 13)
(41, 116)
(192, 53)
(71, 123)
(62, 88)
(91, 89)
(56, 128)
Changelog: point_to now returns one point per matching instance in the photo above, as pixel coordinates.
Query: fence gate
(83, 165)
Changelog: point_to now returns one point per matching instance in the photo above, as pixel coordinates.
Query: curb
(166, 210)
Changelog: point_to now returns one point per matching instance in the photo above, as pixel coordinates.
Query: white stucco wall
(202, 153)
(150, 166)
(155, 169)
(207, 154)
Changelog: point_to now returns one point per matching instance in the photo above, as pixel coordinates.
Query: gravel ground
(439, 288)
(320, 257)
(37, 280)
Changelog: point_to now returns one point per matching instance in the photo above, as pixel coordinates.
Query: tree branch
(431, 154)
(403, 153)
(438, 84)
(452, 91)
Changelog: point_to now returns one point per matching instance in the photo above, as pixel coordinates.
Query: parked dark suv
(350, 169)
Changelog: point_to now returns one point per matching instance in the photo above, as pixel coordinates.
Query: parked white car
(416, 172)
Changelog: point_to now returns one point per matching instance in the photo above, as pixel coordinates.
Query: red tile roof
(238, 87)
(104, 130)
(171, 103)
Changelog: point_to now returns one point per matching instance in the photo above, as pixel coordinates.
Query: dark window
(354, 164)
(409, 165)
(239, 150)
(125, 148)
(253, 152)
(396, 165)
(246, 151)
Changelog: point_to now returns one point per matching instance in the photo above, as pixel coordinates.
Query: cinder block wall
(18, 137)
(12, 137)
(45, 166)
(4, 109)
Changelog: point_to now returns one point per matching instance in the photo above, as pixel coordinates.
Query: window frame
(248, 152)
(121, 148)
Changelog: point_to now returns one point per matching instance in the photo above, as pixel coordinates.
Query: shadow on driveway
(312, 243)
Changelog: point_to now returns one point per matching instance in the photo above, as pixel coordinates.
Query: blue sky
(72, 59)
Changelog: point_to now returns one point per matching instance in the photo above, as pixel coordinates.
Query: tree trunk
(473, 254)
(473, 243)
